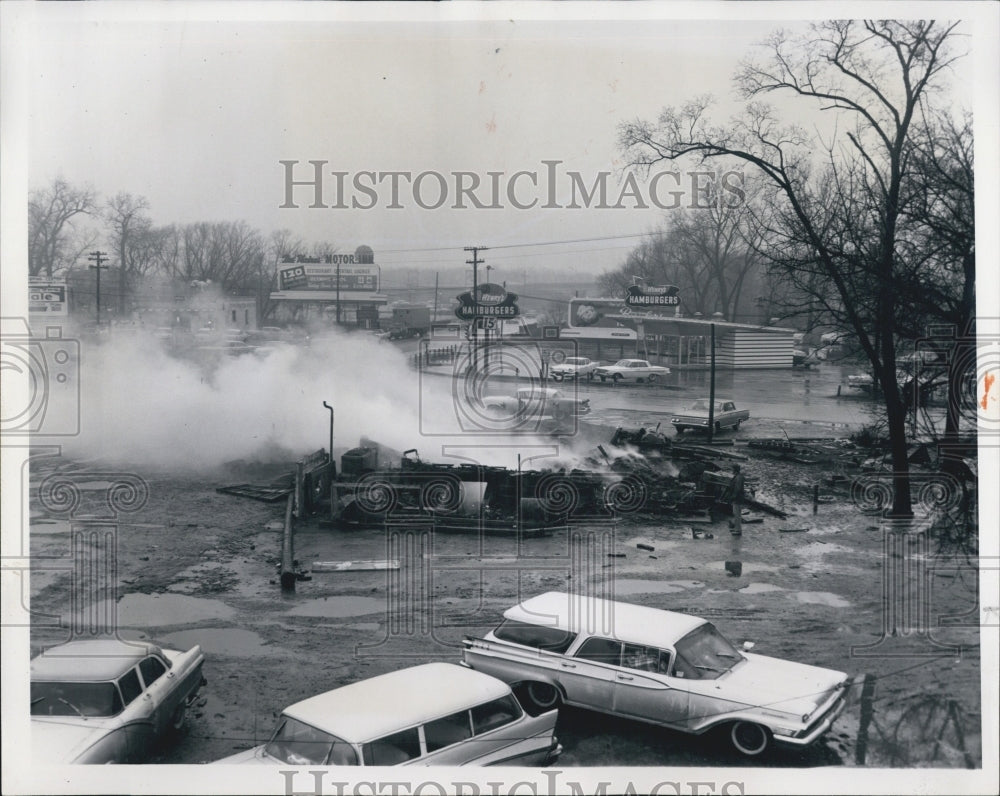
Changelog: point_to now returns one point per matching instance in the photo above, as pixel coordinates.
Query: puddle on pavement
(759, 588)
(339, 606)
(163, 610)
(220, 641)
(822, 598)
(639, 586)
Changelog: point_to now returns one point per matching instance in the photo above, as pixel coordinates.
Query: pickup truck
(726, 415)
(636, 370)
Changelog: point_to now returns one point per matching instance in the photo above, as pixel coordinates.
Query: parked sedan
(656, 666)
(574, 368)
(434, 714)
(636, 370)
(109, 701)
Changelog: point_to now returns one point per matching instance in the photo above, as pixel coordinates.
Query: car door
(587, 676)
(644, 688)
(162, 692)
(137, 717)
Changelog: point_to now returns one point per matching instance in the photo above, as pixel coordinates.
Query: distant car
(536, 402)
(805, 357)
(656, 666)
(573, 368)
(726, 415)
(637, 370)
(434, 714)
(864, 382)
(109, 701)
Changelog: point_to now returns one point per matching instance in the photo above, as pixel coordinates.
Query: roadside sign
(652, 296)
(489, 301)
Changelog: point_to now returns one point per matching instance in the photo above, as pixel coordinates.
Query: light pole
(98, 258)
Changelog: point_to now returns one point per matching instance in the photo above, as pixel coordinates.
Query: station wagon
(656, 666)
(434, 714)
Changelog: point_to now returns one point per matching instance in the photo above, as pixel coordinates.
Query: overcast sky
(195, 114)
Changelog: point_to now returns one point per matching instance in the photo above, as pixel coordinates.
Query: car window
(392, 749)
(645, 659)
(300, 744)
(74, 699)
(495, 714)
(728, 407)
(444, 732)
(602, 650)
(551, 639)
(705, 654)
(152, 669)
(129, 685)
(700, 404)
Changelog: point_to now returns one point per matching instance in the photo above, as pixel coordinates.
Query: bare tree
(51, 212)
(281, 243)
(843, 219)
(127, 223)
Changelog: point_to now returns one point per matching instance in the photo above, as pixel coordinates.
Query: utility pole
(338, 292)
(98, 258)
(474, 262)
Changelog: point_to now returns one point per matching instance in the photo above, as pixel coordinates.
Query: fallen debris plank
(793, 530)
(645, 546)
(269, 494)
(708, 451)
(354, 566)
(756, 504)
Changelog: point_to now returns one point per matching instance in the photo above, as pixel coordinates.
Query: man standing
(734, 494)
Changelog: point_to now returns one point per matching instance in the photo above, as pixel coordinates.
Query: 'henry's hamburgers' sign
(487, 301)
(652, 296)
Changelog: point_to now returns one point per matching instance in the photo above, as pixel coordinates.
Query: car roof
(93, 660)
(578, 613)
(369, 709)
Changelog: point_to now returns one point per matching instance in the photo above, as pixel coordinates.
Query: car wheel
(616, 378)
(737, 426)
(679, 429)
(718, 427)
(651, 378)
(590, 377)
(748, 738)
(603, 378)
(543, 696)
(179, 718)
(557, 377)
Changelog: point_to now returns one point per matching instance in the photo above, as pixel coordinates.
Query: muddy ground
(197, 566)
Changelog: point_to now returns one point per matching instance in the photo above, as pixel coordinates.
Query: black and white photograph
(500, 398)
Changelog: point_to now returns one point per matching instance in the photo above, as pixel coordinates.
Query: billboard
(595, 312)
(47, 299)
(324, 276)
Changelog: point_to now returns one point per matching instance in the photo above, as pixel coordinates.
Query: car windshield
(576, 361)
(623, 363)
(300, 744)
(705, 654)
(75, 699)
